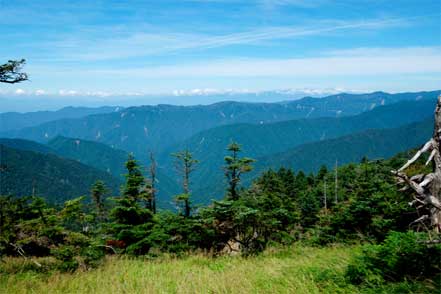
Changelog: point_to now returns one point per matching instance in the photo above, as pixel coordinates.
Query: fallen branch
(20, 251)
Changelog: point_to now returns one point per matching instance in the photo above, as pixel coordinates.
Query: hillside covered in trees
(26, 173)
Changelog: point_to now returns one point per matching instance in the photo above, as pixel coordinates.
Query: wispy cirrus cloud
(146, 43)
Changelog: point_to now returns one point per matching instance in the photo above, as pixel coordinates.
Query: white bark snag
(427, 188)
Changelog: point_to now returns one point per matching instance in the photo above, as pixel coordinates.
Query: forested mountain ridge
(91, 153)
(24, 173)
(27, 145)
(209, 147)
(165, 125)
(16, 120)
(373, 144)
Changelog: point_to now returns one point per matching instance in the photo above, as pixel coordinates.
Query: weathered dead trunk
(427, 188)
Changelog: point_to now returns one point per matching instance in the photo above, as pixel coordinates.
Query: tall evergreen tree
(134, 179)
(234, 168)
(132, 222)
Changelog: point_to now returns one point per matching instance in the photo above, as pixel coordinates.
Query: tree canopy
(11, 73)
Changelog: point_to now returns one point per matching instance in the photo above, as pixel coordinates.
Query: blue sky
(101, 48)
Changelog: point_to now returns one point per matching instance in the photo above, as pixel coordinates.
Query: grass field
(295, 269)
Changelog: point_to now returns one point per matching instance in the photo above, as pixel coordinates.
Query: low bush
(400, 257)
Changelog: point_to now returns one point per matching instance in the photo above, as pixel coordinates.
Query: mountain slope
(91, 153)
(259, 140)
(57, 179)
(374, 144)
(28, 145)
(161, 126)
(15, 120)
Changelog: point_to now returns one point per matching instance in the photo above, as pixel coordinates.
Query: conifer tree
(128, 210)
(234, 168)
(134, 179)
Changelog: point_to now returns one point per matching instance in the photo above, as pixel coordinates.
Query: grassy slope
(292, 270)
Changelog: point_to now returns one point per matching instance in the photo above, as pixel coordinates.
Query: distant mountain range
(15, 120)
(138, 129)
(32, 102)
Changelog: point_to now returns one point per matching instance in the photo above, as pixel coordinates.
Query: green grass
(296, 269)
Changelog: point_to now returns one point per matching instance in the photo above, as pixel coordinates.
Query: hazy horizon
(23, 103)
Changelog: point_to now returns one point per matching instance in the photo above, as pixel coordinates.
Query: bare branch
(425, 148)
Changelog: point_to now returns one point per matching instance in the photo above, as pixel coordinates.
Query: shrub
(66, 256)
(401, 256)
(92, 256)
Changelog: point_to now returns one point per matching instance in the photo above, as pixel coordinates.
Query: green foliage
(30, 227)
(401, 256)
(234, 168)
(131, 221)
(368, 207)
(92, 255)
(66, 255)
(134, 179)
(175, 233)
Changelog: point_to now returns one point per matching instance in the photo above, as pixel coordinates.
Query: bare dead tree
(185, 165)
(153, 179)
(10, 72)
(325, 200)
(427, 187)
(336, 181)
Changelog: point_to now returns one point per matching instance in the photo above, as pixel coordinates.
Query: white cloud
(67, 93)
(20, 92)
(210, 91)
(361, 62)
